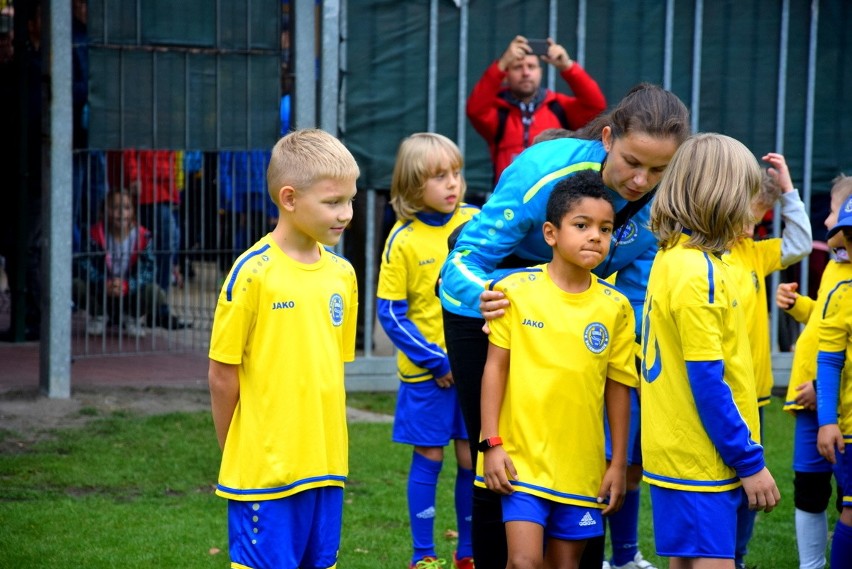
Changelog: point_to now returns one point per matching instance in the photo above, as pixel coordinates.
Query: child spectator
(426, 194)
(834, 395)
(751, 261)
(812, 473)
(700, 427)
(542, 437)
(284, 326)
(114, 275)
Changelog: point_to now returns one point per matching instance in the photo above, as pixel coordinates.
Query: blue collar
(434, 219)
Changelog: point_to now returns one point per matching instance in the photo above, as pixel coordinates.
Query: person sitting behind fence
(114, 274)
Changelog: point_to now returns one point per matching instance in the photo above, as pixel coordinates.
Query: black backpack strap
(559, 113)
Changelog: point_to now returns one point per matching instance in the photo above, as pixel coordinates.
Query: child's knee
(812, 491)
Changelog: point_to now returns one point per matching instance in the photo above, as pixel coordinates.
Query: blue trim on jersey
(762, 399)
(833, 290)
(392, 237)
(229, 291)
(829, 368)
(512, 272)
(690, 482)
(434, 219)
(550, 491)
(711, 285)
(721, 418)
(285, 488)
(393, 316)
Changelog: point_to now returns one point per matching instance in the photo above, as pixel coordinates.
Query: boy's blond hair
(841, 187)
(421, 156)
(304, 157)
(706, 191)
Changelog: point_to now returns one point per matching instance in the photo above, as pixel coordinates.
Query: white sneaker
(606, 565)
(96, 325)
(638, 563)
(135, 327)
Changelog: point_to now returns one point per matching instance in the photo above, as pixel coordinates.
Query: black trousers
(467, 348)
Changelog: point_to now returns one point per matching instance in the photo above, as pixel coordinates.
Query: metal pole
(305, 84)
(809, 121)
(780, 123)
(696, 63)
(461, 117)
(581, 33)
(432, 86)
(330, 66)
(55, 354)
(552, 31)
(668, 50)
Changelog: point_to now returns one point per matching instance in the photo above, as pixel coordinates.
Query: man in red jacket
(508, 106)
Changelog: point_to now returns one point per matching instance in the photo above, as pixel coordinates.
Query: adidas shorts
(299, 531)
(697, 524)
(427, 415)
(560, 521)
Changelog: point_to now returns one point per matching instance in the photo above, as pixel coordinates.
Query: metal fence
(172, 266)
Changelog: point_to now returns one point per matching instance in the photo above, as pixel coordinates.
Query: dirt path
(31, 415)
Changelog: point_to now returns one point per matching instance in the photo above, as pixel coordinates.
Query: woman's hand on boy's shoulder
(492, 305)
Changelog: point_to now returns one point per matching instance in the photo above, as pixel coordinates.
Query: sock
(745, 527)
(624, 530)
(422, 485)
(841, 545)
(811, 538)
(464, 511)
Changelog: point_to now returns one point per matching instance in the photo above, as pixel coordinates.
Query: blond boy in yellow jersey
(284, 326)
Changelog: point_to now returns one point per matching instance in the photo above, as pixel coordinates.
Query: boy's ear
(287, 198)
(549, 232)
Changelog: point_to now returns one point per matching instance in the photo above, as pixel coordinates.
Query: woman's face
(635, 162)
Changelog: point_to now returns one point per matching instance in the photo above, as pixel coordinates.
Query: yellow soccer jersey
(411, 263)
(289, 327)
(835, 335)
(692, 313)
(809, 312)
(750, 262)
(562, 346)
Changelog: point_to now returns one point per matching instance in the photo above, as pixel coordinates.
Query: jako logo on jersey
(335, 309)
(596, 337)
(426, 262)
(285, 304)
(533, 323)
(627, 234)
(755, 281)
(588, 520)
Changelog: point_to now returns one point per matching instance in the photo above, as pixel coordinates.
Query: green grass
(130, 491)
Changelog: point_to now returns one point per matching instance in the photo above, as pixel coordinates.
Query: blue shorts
(697, 524)
(427, 415)
(843, 472)
(806, 457)
(634, 438)
(560, 521)
(301, 531)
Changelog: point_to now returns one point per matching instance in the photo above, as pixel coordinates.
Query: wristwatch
(488, 443)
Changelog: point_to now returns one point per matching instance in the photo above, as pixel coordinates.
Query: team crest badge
(335, 309)
(596, 337)
(627, 233)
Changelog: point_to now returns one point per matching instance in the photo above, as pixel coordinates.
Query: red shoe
(463, 563)
(428, 563)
